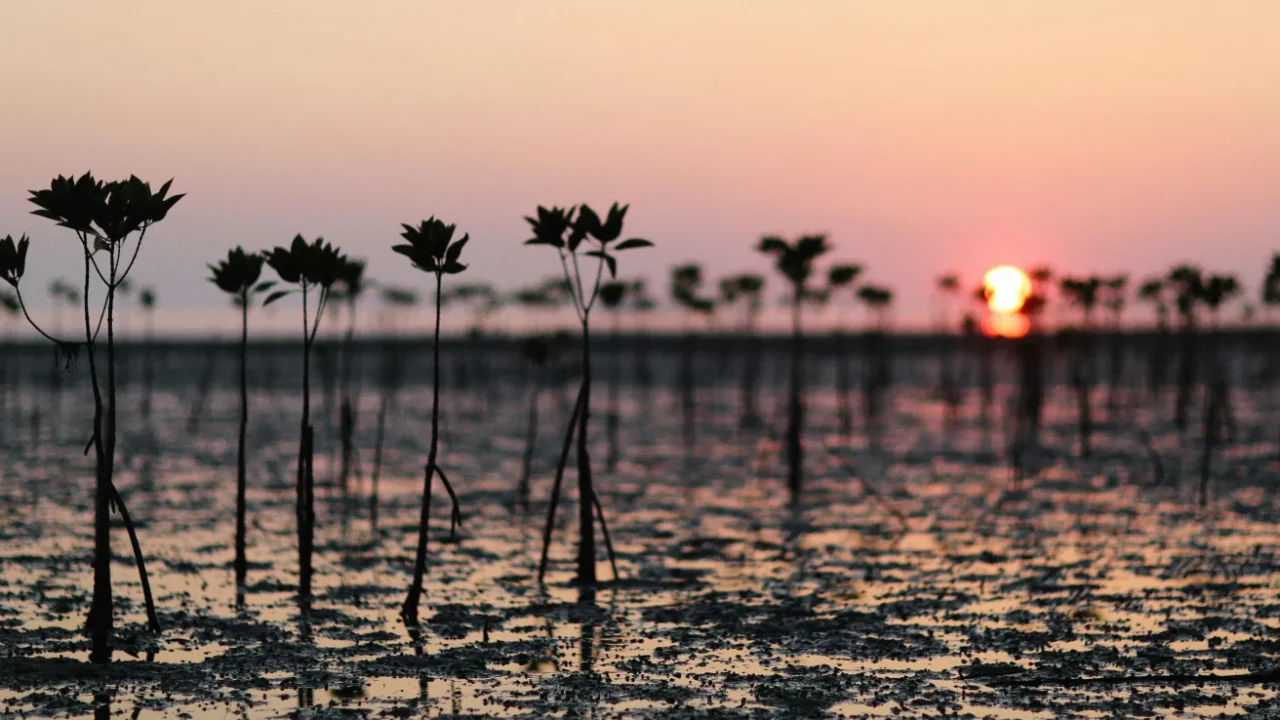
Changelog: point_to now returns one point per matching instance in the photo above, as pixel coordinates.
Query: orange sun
(1007, 288)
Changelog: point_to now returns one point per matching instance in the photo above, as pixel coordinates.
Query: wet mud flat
(934, 588)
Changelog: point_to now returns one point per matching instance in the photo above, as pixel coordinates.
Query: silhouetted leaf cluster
(13, 258)
(108, 211)
(431, 247)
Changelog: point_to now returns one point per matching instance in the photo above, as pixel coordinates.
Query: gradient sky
(923, 136)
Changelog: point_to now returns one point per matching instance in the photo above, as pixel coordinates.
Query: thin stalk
(241, 564)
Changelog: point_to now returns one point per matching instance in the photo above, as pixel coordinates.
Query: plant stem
(410, 609)
(586, 490)
(241, 565)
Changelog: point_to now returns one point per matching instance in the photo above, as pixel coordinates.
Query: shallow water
(932, 596)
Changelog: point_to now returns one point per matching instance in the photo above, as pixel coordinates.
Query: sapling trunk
(795, 404)
(615, 370)
(688, 396)
(1081, 380)
(531, 439)
(844, 407)
(101, 609)
(202, 392)
(241, 564)
(586, 490)
(377, 462)
(750, 373)
(410, 609)
(1186, 376)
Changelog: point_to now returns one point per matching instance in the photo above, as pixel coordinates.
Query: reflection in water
(1085, 572)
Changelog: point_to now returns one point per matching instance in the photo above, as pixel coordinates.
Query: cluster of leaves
(314, 264)
(107, 211)
(9, 303)
(238, 276)
(795, 260)
(13, 258)
(1081, 292)
(1271, 283)
(350, 283)
(686, 283)
(396, 297)
(615, 294)
(431, 247)
(875, 297)
(582, 223)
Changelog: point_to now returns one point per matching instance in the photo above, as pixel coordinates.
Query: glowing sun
(1007, 288)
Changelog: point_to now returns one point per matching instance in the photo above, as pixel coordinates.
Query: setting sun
(1007, 288)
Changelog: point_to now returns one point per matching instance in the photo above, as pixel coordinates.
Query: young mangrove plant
(795, 261)
(349, 287)
(1187, 282)
(585, 235)
(840, 277)
(1083, 293)
(147, 301)
(876, 381)
(1152, 291)
(390, 377)
(314, 267)
(237, 275)
(1114, 296)
(431, 248)
(103, 217)
(948, 292)
(1214, 292)
(613, 294)
(538, 351)
(686, 285)
(749, 289)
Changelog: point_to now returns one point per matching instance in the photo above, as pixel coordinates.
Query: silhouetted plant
(237, 275)
(1084, 294)
(103, 216)
(1114, 296)
(1152, 291)
(349, 287)
(613, 294)
(394, 300)
(480, 301)
(147, 302)
(879, 376)
(948, 291)
(1214, 292)
(431, 248)
(686, 286)
(838, 278)
(747, 288)
(1187, 282)
(795, 261)
(560, 229)
(538, 351)
(314, 267)
(643, 305)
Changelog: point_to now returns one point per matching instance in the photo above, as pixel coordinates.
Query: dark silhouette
(238, 276)
(795, 262)
(312, 267)
(103, 216)
(389, 379)
(838, 278)
(560, 229)
(349, 288)
(1084, 294)
(686, 284)
(432, 249)
(748, 288)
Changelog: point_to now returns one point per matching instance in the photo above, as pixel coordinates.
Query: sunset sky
(925, 137)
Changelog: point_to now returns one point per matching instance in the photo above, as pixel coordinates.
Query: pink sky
(925, 136)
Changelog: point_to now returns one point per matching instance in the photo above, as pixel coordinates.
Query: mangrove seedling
(838, 278)
(878, 302)
(1114, 296)
(349, 287)
(431, 248)
(613, 294)
(749, 289)
(686, 288)
(147, 301)
(105, 217)
(314, 267)
(237, 275)
(394, 301)
(795, 261)
(583, 236)
(1152, 291)
(1084, 294)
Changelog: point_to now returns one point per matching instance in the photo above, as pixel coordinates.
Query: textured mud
(945, 591)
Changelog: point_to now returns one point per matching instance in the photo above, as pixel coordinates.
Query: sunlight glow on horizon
(923, 136)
